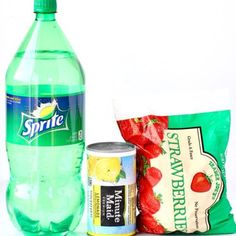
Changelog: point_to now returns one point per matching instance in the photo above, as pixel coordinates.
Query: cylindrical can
(111, 189)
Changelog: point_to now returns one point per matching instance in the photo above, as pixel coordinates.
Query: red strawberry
(138, 122)
(154, 127)
(138, 140)
(162, 125)
(143, 184)
(201, 183)
(129, 128)
(147, 201)
(147, 224)
(152, 134)
(132, 131)
(151, 151)
(153, 175)
(125, 128)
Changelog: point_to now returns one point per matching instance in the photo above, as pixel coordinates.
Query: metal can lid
(112, 148)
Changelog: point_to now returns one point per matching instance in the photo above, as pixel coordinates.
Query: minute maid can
(111, 189)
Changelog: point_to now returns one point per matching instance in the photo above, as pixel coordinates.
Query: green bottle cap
(45, 6)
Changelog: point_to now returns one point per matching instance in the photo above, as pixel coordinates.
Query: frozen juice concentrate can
(111, 188)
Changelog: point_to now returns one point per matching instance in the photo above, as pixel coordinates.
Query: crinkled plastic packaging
(180, 161)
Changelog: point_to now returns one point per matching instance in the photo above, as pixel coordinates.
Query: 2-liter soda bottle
(45, 129)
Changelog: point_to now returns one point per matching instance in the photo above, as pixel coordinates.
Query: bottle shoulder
(37, 76)
(45, 36)
(45, 66)
(44, 56)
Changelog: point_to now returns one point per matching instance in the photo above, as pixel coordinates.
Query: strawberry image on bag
(181, 143)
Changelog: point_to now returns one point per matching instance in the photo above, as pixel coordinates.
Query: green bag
(181, 167)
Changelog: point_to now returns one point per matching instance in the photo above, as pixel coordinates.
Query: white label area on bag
(191, 182)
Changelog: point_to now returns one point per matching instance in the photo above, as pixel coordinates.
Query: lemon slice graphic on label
(92, 161)
(108, 169)
(45, 110)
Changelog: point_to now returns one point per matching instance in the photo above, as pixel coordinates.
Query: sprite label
(45, 121)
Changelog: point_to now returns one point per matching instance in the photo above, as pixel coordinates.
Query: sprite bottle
(45, 129)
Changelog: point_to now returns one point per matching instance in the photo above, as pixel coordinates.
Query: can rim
(111, 147)
(111, 154)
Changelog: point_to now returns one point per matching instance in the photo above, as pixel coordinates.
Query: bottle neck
(45, 17)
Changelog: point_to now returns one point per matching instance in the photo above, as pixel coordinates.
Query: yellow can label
(111, 195)
(96, 205)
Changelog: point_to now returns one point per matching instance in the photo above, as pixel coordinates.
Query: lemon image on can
(111, 189)
(108, 169)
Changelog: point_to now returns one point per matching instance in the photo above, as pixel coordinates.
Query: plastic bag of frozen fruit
(181, 142)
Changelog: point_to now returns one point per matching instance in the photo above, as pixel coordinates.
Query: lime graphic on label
(45, 110)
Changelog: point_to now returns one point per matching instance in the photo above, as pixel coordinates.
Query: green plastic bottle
(45, 129)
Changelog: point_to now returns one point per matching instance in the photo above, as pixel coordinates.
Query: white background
(146, 44)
